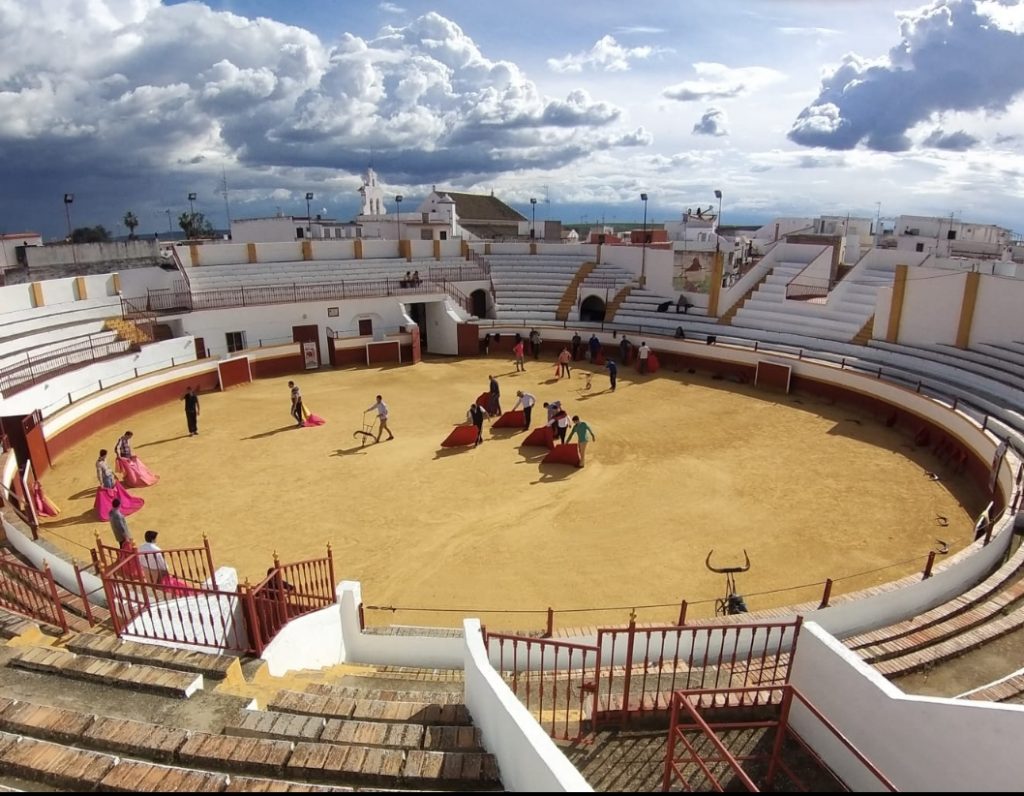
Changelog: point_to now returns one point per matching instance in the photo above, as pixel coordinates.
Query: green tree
(97, 234)
(195, 225)
(131, 221)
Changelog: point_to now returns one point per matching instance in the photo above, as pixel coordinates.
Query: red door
(365, 327)
(201, 352)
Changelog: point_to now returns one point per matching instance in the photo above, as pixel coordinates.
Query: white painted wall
(136, 281)
(380, 248)
(920, 743)
(931, 306)
(26, 343)
(529, 761)
(110, 251)
(999, 312)
(883, 306)
(62, 390)
(273, 323)
(442, 328)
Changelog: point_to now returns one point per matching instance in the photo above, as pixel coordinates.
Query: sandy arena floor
(682, 464)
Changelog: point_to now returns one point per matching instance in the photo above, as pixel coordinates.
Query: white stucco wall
(931, 307)
(920, 743)
(998, 314)
(442, 328)
(529, 761)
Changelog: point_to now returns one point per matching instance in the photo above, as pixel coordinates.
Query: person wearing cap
(153, 561)
(613, 372)
(526, 400)
(583, 434)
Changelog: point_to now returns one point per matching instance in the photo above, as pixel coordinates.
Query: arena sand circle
(682, 464)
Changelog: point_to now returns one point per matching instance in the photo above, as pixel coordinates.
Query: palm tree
(131, 221)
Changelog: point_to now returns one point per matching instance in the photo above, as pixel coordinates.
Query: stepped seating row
(71, 749)
(46, 340)
(910, 645)
(56, 316)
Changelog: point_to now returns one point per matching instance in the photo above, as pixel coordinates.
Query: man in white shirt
(153, 561)
(643, 352)
(382, 415)
(526, 400)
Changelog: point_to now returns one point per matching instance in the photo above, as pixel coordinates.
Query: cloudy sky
(790, 107)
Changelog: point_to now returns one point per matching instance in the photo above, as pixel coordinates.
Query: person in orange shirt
(563, 362)
(518, 351)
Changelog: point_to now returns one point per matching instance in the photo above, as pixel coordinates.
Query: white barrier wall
(331, 250)
(136, 281)
(442, 328)
(373, 249)
(528, 760)
(66, 388)
(920, 743)
(997, 315)
(931, 307)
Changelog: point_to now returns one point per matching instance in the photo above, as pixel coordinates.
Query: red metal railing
(696, 769)
(30, 592)
(40, 367)
(661, 660)
(536, 667)
(287, 592)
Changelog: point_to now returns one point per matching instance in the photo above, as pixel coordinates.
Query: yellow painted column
(437, 249)
(405, 249)
(193, 251)
(715, 288)
(967, 305)
(116, 278)
(250, 250)
(357, 248)
(81, 293)
(307, 250)
(487, 248)
(464, 246)
(899, 294)
(533, 248)
(36, 289)
(599, 254)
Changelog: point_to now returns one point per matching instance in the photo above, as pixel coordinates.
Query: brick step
(405, 695)
(295, 727)
(84, 770)
(13, 625)
(106, 645)
(367, 709)
(49, 731)
(413, 674)
(136, 677)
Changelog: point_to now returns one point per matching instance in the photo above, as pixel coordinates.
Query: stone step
(137, 677)
(297, 728)
(389, 695)
(368, 709)
(107, 645)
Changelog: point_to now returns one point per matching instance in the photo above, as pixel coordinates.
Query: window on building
(300, 232)
(426, 234)
(235, 341)
(920, 247)
(951, 235)
(444, 234)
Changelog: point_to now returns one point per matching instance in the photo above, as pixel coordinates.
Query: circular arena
(683, 464)
(841, 489)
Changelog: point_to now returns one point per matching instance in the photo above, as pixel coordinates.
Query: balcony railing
(809, 287)
(36, 368)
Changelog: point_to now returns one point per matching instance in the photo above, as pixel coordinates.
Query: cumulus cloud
(717, 81)
(953, 55)
(391, 8)
(955, 142)
(606, 55)
(713, 122)
(136, 93)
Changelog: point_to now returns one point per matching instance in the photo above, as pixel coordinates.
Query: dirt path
(682, 464)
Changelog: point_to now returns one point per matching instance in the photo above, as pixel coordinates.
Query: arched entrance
(478, 301)
(592, 309)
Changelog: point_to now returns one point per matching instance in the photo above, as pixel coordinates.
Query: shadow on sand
(266, 434)
(160, 441)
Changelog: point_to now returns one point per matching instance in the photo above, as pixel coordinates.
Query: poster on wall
(309, 356)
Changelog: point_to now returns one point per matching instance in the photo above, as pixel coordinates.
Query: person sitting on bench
(683, 304)
(663, 307)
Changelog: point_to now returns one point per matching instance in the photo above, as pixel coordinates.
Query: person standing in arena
(643, 352)
(191, 411)
(517, 351)
(526, 400)
(494, 397)
(613, 372)
(583, 434)
(296, 403)
(561, 424)
(382, 415)
(476, 417)
(535, 343)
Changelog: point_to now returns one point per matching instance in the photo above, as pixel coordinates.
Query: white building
(946, 236)
(10, 242)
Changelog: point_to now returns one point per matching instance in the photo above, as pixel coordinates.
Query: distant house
(11, 242)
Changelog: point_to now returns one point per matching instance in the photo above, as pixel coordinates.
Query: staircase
(135, 332)
(726, 319)
(569, 297)
(863, 337)
(616, 302)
